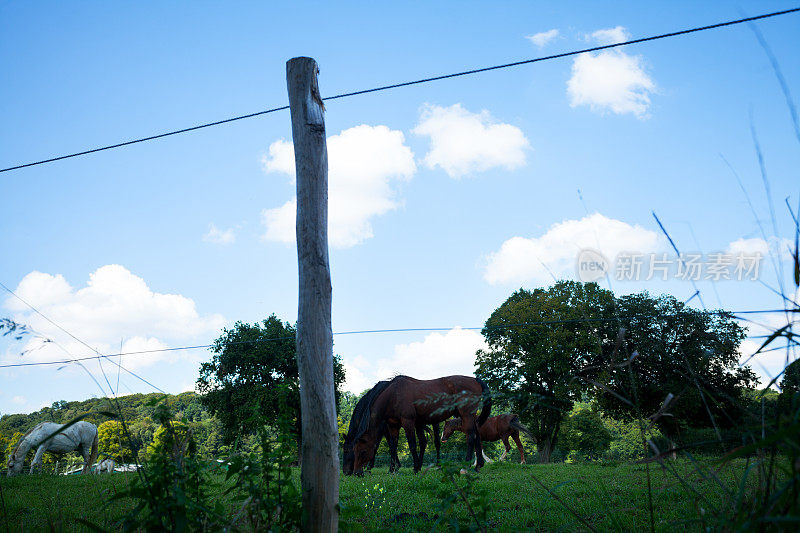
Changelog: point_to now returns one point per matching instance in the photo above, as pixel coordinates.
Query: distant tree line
(590, 373)
(137, 410)
(636, 358)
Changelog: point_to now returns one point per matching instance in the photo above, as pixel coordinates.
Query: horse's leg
(86, 452)
(485, 458)
(375, 451)
(394, 437)
(507, 446)
(423, 442)
(467, 424)
(476, 437)
(408, 426)
(37, 459)
(515, 436)
(437, 440)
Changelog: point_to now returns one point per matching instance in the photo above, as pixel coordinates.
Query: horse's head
(357, 433)
(14, 465)
(363, 451)
(348, 456)
(450, 427)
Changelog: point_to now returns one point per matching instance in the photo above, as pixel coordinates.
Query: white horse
(80, 436)
(106, 465)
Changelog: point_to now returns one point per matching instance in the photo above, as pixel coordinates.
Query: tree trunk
(545, 449)
(319, 449)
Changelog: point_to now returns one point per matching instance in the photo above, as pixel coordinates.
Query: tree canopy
(551, 347)
(670, 348)
(539, 341)
(253, 377)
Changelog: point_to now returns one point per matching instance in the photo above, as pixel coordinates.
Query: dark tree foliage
(789, 397)
(253, 376)
(671, 348)
(534, 367)
(584, 434)
(791, 378)
(631, 352)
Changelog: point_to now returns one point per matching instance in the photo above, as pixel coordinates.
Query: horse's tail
(95, 446)
(519, 426)
(487, 402)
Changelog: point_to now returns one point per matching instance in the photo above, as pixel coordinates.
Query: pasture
(605, 496)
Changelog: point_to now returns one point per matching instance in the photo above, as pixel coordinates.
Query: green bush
(583, 434)
(172, 491)
(626, 440)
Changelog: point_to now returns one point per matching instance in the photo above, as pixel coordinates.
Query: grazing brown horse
(390, 431)
(360, 411)
(499, 427)
(412, 404)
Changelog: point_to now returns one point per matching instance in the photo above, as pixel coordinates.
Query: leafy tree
(790, 387)
(253, 376)
(791, 378)
(141, 432)
(626, 439)
(214, 445)
(584, 434)
(672, 349)
(169, 437)
(112, 441)
(539, 341)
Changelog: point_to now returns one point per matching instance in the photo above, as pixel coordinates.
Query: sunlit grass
(609, 497)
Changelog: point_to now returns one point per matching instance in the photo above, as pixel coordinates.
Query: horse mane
(486, 409)
(454, 421)
(24, 438)
(365, 413)
(358, 413)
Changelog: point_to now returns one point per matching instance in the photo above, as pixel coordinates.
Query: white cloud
(19, 400)
(543, 38)
(280, 222)
(437, 355)
(610, 80)
(521, 260)
(280, 158)
(748, 246)
(610, 35)
(464, 143)
(776, 247)
(218, 236)
(364, 163)
(114, 306)
(356, 380)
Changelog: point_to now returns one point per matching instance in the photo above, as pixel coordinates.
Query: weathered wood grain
(319, 450)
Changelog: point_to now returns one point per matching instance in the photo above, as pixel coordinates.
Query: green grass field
(608, 497)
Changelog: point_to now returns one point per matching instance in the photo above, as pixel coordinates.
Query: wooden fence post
(320, 443)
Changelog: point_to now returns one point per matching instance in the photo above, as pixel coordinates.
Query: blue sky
(445, 196)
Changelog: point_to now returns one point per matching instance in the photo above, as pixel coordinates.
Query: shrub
(583, 433)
